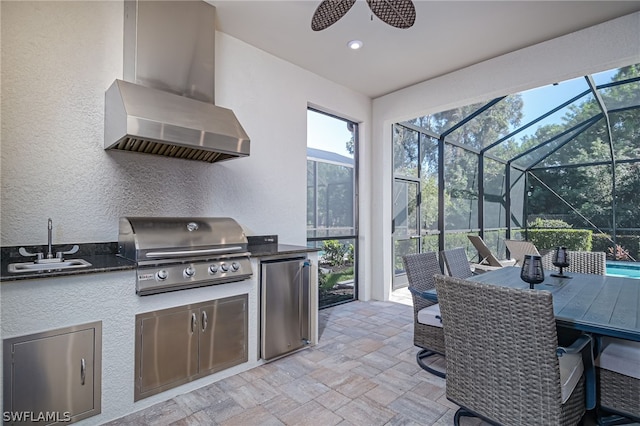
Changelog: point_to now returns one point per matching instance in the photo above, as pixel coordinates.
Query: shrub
(572, 239)
(351, 254)
(540, 223)
(601, 242)
(620, 253)
(629, 243)
(322, 280)
(334, 252)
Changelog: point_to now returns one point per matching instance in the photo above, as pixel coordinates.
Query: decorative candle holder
(532, 271)
(561, 260)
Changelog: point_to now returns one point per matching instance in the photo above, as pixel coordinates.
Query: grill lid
(143, 238)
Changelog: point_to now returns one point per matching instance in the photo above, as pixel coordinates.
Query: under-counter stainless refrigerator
(285, 310)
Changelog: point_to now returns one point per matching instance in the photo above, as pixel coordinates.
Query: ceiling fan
(397, 13)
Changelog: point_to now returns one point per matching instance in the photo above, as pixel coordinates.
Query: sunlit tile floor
(362, 372)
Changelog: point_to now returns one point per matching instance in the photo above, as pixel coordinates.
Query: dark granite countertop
(264, 250)
(102, 257)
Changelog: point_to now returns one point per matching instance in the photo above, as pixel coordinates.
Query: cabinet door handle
(83, 370)
(194, 322)
(204, 320)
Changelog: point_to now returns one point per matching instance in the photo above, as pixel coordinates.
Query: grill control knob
(161, 275)
(189, 271)
(235, 266)
(224, 267)
(213, 269)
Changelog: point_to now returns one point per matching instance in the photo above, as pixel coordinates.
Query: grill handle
(192, 252)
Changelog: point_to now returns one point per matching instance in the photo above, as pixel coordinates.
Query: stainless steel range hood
(165, 105)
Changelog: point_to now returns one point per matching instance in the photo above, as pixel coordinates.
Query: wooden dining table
(602, 305)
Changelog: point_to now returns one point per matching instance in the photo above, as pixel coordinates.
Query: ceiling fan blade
(328, 13)
(397, 13)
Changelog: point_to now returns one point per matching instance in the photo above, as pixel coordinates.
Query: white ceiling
(447, 36)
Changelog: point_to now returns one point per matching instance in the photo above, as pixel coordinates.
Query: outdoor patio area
(362, 372)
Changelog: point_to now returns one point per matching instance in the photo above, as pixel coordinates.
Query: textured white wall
(58, 58)
(606, 46)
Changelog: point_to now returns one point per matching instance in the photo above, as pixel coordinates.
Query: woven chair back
(456, 263)
(501, 352)
(583, 262)
(421, 268)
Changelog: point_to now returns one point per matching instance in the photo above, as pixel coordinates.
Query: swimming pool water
(623, 269)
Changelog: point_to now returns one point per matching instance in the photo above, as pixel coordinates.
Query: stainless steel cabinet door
(177, 345)
(285, 307)
(223, 339)
(56, 373)
(168, 352)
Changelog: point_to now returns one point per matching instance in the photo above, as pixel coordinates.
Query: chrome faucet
(40, 258)
(49, 228)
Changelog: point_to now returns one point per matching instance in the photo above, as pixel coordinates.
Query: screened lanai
(564, 155)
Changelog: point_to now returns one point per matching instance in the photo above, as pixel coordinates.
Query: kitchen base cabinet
(177, 345)
(53, 377)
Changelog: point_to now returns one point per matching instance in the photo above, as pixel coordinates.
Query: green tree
(461, 166)
(589, 189)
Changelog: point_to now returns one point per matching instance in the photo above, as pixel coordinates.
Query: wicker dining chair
(584, 262)
(619, 381)
(456, 263)
(427, 325)
(503, 360)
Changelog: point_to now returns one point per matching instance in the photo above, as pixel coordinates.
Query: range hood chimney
(165, 105)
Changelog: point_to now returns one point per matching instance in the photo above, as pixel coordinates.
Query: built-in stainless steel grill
(174, 253)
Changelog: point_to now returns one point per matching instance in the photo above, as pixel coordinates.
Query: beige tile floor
(362, 372)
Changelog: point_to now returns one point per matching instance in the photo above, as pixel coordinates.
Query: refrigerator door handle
(304, 302)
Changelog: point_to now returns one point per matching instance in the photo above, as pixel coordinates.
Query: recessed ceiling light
(355, 44)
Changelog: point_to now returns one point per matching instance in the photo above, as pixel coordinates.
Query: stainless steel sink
(48, 266)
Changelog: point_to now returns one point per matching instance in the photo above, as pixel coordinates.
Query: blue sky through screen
(331, 134)
(327, 133)
(541, 100)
